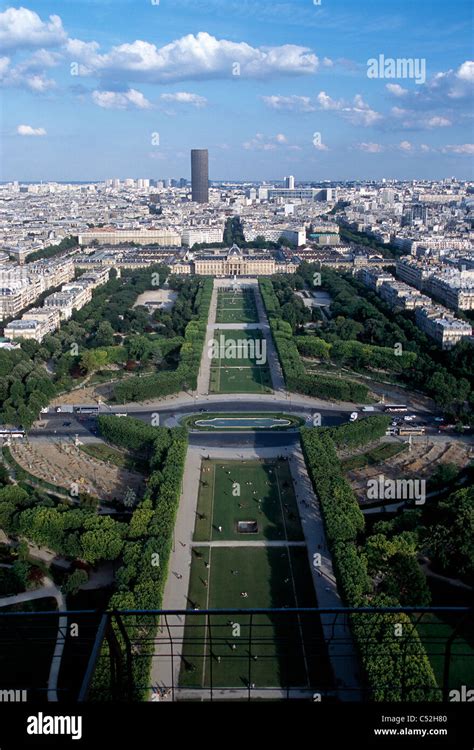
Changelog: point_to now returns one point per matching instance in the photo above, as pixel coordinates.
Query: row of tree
(360, 432)
(396, 666)
(143, 573)
(68, 243)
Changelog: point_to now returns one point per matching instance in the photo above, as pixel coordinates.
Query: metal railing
(230, 654)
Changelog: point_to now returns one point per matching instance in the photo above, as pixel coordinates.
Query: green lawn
(284, 649)
(236, 307)
(219, 504)
(241, 366)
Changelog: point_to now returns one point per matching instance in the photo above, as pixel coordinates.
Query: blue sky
(125, 88)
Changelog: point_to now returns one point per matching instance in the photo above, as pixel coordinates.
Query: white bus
(15, 432)
(395, 408)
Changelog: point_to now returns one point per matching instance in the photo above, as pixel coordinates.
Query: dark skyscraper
(200, 175)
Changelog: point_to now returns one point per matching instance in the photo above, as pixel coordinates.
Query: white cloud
(265, 143)
(290, 103)
(464, 148)
(371, 148)
(28, 130)
(399, 112)
(39, 60)
(200, 56)
(120, 99)
(183, 97)
(358, 113)
(405, 146)
(466, 71)
(325, 101)
(438, 122)
(21, 28)
(39, 84)
(21, 77)
(4, 65)
(396, 89)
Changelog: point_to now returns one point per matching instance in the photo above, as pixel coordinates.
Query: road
(65, 425)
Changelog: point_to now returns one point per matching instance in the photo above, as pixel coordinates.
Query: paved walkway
(204, 375)
(342, 654)
(49, 589)
(249, 543)
(165, 670)
(272, 356)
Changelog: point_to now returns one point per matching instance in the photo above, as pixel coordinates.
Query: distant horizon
(239, 181)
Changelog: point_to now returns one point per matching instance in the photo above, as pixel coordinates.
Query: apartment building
(21, 287)
(442, 326)
(201, 235)
(436, 321)
(162, 237)
(27, 329)
(399, 295)
(414, 272)
(48, 316)
(454, 288)
(374, 277)
(451, 286)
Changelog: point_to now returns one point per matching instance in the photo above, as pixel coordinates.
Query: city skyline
(91, 92)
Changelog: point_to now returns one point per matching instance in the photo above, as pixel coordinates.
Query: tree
(104, 335)
(94, 359)
(74, 581)
(102, 539)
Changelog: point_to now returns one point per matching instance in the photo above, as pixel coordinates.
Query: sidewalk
(204, 374)
(342, 655)
(272, 356)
